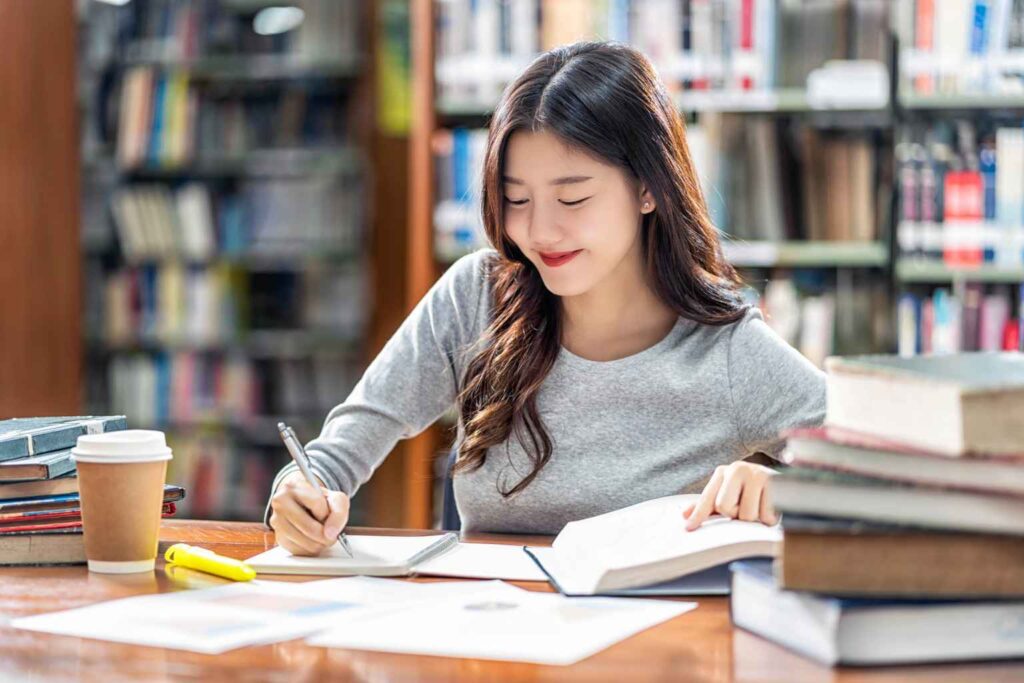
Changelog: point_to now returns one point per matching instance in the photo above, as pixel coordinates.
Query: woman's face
(575, 217)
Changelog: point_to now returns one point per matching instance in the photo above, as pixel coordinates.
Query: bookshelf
(226, 255)
(912, 272)
(449, 79)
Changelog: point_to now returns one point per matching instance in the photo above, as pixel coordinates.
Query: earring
(647, 205)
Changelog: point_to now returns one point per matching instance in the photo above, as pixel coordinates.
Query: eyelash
(523, 201)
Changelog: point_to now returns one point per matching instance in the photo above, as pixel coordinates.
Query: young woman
(599, 355)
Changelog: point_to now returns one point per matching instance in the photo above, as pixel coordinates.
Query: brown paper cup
(121, 481)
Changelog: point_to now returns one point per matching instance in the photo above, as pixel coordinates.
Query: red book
(48, 524)
(972, 202)
(747, 37)
(924, 24)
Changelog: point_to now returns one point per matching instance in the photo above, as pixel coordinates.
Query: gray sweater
(652, 424)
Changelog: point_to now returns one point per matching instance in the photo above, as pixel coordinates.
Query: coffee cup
(121, 479)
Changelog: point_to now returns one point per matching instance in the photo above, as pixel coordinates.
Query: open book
(647, 546)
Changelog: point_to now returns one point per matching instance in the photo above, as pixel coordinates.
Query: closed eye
(515, 202)
(575, 203)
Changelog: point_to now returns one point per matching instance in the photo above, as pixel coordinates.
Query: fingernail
(331, 533)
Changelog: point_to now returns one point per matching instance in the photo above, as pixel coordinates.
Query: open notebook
(646, 549)
(438, 555)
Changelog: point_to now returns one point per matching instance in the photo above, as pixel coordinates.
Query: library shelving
(225, 250)
(936, 272)
(464, 52)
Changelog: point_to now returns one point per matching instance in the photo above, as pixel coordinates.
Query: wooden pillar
(40, 258)
(422, 266)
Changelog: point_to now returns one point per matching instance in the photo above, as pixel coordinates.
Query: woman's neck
(619, 317)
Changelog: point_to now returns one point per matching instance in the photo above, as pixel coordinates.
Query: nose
(544, 231)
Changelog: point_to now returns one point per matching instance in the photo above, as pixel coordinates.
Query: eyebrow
(567, 180)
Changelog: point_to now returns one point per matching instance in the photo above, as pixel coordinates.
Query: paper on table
(484, 561)
(219, 619)
(505, 623)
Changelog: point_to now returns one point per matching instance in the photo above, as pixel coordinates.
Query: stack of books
(902, 517)
(40, 514)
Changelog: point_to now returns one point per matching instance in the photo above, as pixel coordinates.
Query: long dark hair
(604, 99)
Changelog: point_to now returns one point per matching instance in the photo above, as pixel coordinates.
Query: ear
(647, 203)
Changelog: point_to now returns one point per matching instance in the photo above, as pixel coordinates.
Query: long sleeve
(409, 385)
(773, 386)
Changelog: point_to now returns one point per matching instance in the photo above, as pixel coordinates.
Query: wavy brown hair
(606, 100)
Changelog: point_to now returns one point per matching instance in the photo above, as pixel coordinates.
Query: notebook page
(386, 555)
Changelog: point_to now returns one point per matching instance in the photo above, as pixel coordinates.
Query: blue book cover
(156, 134)
(23, 437)
(171, 494)
(460, 162)
(987, 166)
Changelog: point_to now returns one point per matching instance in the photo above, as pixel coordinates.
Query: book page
(649, 533)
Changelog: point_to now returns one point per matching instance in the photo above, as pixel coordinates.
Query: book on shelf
(852, 557)
(960, 196)
(170, 30)
(196, 222)
(869, 632)
(956, 404)
(741, 46)
(195, 388)
(961, 47)
(645, 546)
(972, 317)
(169, 121)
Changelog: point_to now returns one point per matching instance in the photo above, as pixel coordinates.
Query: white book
(647, 544)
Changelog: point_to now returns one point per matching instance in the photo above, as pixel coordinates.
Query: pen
(298, 454)
(204, 560)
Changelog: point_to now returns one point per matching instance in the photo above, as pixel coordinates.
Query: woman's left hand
(738, 491)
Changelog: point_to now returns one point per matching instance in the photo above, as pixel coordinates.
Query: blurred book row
(718, 45)
(187, 388)
(166, 120)
(821, 315)
(176, 30)
(970, 318)
(176, 304)
(961, 192)
(275, 217)
(763, 179)
(959, 47)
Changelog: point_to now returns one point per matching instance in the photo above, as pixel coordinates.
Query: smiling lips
(558, 258)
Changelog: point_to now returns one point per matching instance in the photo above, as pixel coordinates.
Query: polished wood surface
(40, 289)
(698, 646)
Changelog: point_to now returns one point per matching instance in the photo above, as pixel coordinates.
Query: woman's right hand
(307, 521)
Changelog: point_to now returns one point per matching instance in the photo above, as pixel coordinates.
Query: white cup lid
(130, 445)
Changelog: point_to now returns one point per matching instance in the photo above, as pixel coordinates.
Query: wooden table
(698, 646)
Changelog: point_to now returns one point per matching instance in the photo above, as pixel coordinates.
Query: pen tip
(281, 426)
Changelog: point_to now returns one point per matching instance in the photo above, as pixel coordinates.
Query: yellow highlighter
(208, 561)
